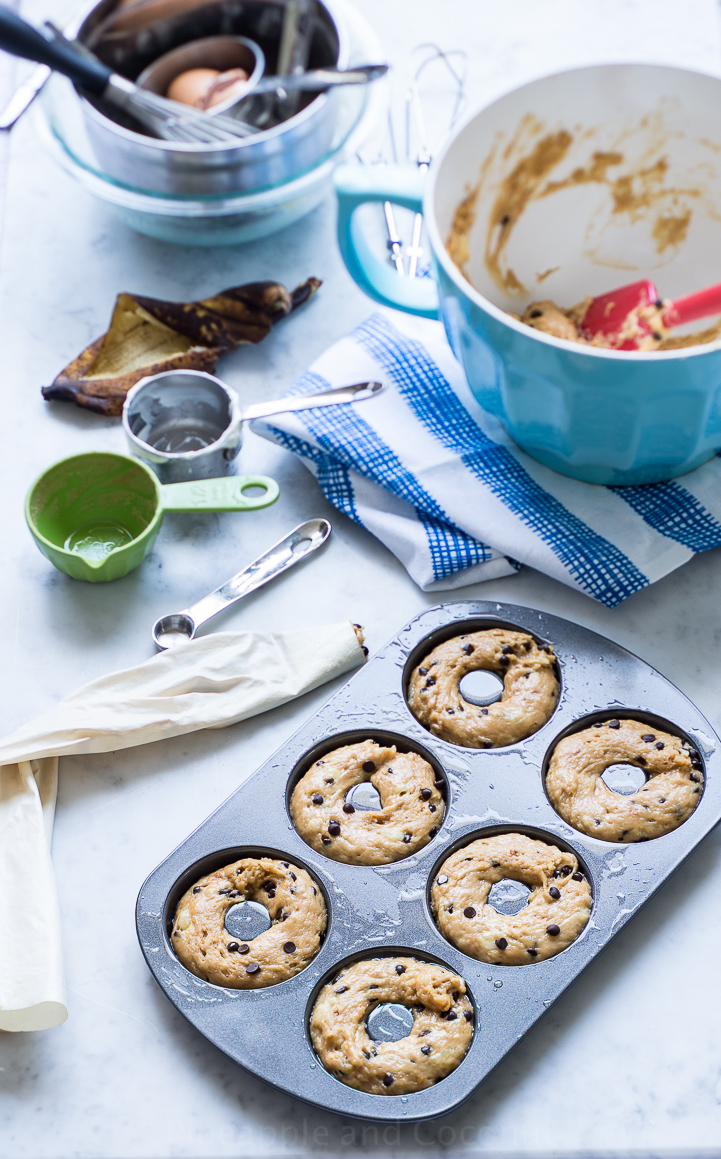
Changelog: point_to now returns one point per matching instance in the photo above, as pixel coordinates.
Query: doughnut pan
(385, 909)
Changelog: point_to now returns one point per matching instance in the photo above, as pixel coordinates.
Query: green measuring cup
(96, 516)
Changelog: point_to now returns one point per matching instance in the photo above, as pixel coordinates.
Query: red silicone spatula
(607, 314)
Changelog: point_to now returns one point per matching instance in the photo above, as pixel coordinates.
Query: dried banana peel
(147, 336)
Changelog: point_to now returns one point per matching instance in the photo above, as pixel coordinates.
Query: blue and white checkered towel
(441, 484)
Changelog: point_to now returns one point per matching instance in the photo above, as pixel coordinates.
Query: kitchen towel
(211, 682)
(441, 484)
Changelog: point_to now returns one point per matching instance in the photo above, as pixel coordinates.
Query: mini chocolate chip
(440, 783)
(329, 781)
(442, 879)
(430, 681)
(367, 1053)
(456, 995)
(334, 828)
(243, 949)
(433, 831)
(422, 671)
(598, 724)
(649, 737)
(641, 760)
(506, 649)
(484, 712)
(451, 711)
(451, 1016)
(348, 808)
(577, 876)
(364, 650)
(655, 334)
(285, 864)
(614, 724)
(406, 838)
(660, 744)
(468, 649)
(503, 660)
(693, 777)
(268, 886)
(196, 889)
(502, 943)
(488, 744)
(368, 766)
(468, 1016)
(233, 947)
(400, 969)
(292, 876)
(317, 798)
(341, 990)
(553, 930)
(426, 794)
(389, 770)
(373, 986)
(289, 947)
(432, 808)
(555, 893)
(224, 890)
(252, 968)
(449, 909)
(388, 1080)
(176, 933)
(469, 912)
(426, 1049)
(325, 840)
(533, 953)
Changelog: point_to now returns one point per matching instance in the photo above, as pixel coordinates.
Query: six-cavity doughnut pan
(382, 910)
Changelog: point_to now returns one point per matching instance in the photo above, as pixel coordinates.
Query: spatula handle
(700, 305)
(21, 39)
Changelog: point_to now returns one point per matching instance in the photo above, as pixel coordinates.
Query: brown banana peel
(147, 336)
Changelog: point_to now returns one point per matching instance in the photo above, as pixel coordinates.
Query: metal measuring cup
(186, 424)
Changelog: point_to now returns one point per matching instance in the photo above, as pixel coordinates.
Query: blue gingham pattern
(439, 481)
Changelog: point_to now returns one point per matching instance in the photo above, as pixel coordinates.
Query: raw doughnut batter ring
(557, 910)
(297, 912)
(441, 1034)
(530, 688)
(670, 795)
(411, 810)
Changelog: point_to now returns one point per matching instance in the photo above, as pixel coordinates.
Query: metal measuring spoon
(303, 539)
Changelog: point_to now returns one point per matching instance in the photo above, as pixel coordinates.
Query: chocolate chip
(533, 953)
(233, 947)
(641, 760)
(406, 838)
(502, 943)
(224, 890)
(451, 1016)
(440, 783)
(433, 831)
(693, 777)
(484, 712)
(422, 671)
(553, 930)
(426, 794)
(176, 933)
(456, 995)
(468, 649)
(317, 798)
(292, 876)
(289, 947)
(660, 744)
(503, 661)
(598, 724)
(432, 808)
(364, 650)
(341, 990)
(348, 808)
(426, 1049)
(334, 828)
(368, 766)
(449, 909)
(325, 840)
(506, 649)
(655, 334)
(555, 893)
(252, 968)
(196, 889)
(468, 1016)
(614, 724)
(487, 744)
(388, 1080)
(649, 737)
(577, 876)
(244, 949)
(430, 681)
(442, 879)
(400, 969)
(389, 770)
(367, 1053)
(234, 893)
(469, 912)
(329, 781)
(269, 887)
(285, 864)
(451, 711)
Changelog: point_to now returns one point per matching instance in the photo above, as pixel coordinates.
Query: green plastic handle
(356, 185)
(225, 494)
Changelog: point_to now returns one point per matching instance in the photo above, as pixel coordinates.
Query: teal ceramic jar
(573, 185)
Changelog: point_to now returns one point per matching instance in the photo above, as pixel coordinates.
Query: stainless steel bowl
(259, 162)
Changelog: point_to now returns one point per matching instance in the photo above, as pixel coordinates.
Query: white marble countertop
(629, 1059)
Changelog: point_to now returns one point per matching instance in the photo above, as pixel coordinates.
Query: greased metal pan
(380, 910)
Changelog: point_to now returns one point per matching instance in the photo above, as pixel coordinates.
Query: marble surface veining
(629, 1059)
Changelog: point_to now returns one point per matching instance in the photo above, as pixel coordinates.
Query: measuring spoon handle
(340, 394)
(301, 541)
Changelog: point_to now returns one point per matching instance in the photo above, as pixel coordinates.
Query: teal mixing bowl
(568, 187)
